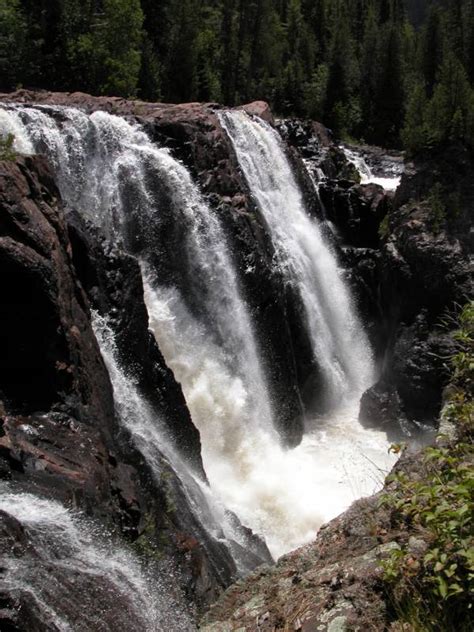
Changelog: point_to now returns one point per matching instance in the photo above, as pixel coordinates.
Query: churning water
(110, 171)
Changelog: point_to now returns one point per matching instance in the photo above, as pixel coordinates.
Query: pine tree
(181, 73)
(149, 84)
(450, 112)
(12, 43)
(432, 48)
(415, 135)
(390, 94)
(369, 75)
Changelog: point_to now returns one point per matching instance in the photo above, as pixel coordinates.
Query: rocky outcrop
(424, 276)
(333, 584)
(407, 256)
(48, 343)
(113, 282)
(195, 136)
(59, 433)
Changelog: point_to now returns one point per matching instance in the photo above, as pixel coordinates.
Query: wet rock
(380, 408)
(194, 134)
(357, 211)
(114, 285)
(59, 436)
(49, 344)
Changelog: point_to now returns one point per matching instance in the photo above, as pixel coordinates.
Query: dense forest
(390, 72)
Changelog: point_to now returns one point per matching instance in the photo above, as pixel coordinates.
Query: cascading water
(110, 171)
(76, 577)
(389, 183)
(150, 436)
(340, 345)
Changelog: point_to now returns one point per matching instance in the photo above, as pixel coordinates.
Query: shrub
(431, 587)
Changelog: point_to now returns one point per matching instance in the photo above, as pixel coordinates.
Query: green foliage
(110, 49)
(360, 66)
(12, 42)
(432, 587)
(7, 151)
(316, 92)
(437, 207)
(439, 507)
(146, 544)
(384, 227)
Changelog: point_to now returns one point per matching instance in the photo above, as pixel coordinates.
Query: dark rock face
(357, 210)
(424, 273)
(114, 285)
(59, 436)
(44, 314)
(195, 136)
(407, 256)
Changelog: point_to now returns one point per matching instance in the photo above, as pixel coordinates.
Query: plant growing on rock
(430, 578)
(6, 147)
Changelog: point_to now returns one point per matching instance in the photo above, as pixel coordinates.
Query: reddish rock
(260, 109)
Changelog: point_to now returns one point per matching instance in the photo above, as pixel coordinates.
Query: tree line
(389, 72)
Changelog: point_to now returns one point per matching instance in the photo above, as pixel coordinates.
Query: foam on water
(285, 495)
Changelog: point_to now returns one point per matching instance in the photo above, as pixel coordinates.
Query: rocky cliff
(59, 435)
(407, 258)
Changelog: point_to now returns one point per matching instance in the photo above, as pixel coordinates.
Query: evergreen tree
(415, 135)
(369, 76)
(110, 50)
(359, 65)
(450, 112)
(12, 43)
(432, 48)
(390, 93)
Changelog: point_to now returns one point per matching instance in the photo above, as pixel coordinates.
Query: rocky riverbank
(407, 258)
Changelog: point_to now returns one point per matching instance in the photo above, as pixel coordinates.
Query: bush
(431, 586)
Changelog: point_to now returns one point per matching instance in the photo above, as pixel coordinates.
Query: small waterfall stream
(109, 170)
(388, 182)
(340, 345)
(76, 575)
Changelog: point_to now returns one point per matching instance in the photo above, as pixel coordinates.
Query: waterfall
(366, 174)
(149, 435)
(340, 345)
(77, 577)
(139, 196)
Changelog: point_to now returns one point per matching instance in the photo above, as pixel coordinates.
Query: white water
(150, 437)
(285, 495)
(366, 174)
(340, 345)
(77, 576)
(110, 171)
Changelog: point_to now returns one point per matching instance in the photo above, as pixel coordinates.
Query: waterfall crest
(340, 345)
